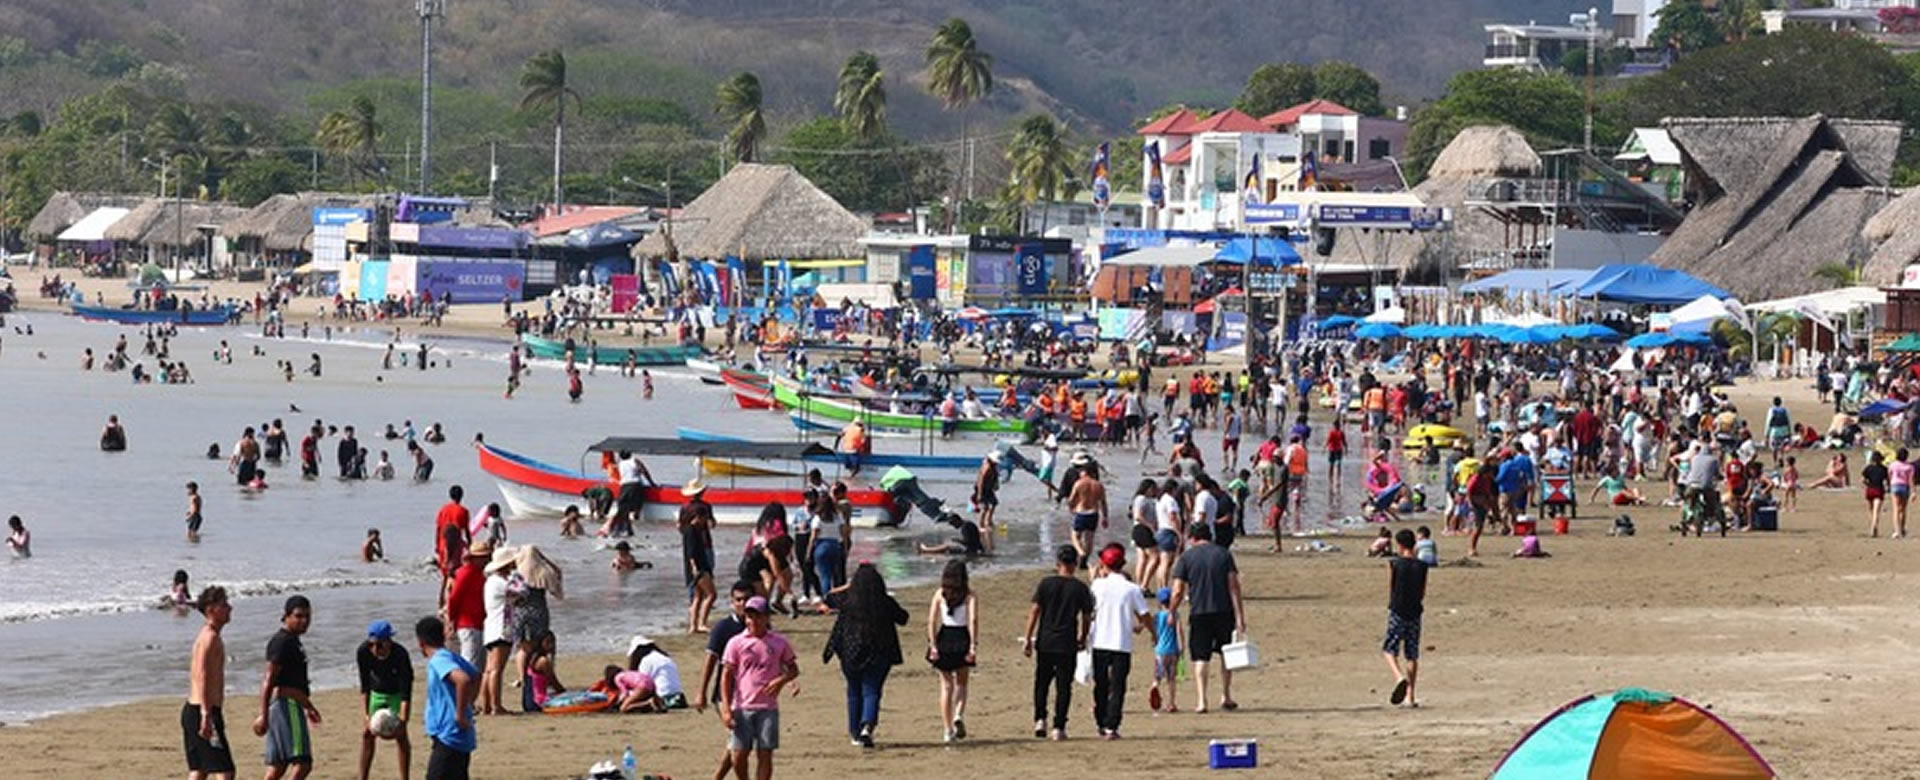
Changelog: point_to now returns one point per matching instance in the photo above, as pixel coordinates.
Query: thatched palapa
(65, 208)
(1776, 198)
(761, 212)
(284, 223)
(1894, 234)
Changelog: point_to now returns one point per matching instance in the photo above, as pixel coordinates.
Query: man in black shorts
(632, 493)
(1407, 592)
(204, 731)
(1206, 575)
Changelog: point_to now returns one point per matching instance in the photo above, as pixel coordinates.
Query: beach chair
(1558, 494)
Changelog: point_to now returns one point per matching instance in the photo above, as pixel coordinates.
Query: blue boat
(218, 315)
(917, 462)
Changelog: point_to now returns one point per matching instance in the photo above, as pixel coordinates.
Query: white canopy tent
(93, 227)
(1707, 307)
(1525, 319)
(1392, 314)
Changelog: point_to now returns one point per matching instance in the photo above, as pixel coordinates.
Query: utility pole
(316, 168)
(428, 9)
(1592, 22)
(493, 166)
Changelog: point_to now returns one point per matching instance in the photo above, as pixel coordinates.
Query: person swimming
(113, 438)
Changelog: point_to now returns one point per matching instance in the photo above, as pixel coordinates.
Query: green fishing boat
(548, 349)
(835, 406)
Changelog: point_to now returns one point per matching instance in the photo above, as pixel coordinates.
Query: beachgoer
(1087, 501)
(201, 724)
(193, 511)
(246, 457)
(623, 560)
(1206, 575)
(1057, 625)
(386, 683)
(757, 666)
(422, 464)
(496, 631)
(347, 452)
(867, 642)
(372, 549)
(986, 494)
(1425, 548)
(1172, 524)
(952, 630)
(450, 536)
(1406, 590)
(113, 438)
(646, 657)
(1874, 479)
(1167, 638)
(466, 603)
(634, 479)
(285, 706)
(19, 539)
(452, 684)
(1119, 612)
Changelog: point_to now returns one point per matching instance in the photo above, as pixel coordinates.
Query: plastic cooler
(1525, 526)
(1233, 754)
(1766, 518)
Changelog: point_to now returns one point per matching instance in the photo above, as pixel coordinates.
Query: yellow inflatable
(1443, 436)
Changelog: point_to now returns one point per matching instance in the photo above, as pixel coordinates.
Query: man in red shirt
(1586, 440)
(450, 536)
(467, 602)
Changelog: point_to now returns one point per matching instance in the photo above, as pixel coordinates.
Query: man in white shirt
(632, 496)
(1119, 612)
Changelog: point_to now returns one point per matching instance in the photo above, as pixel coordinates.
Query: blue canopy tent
(1377, 331)
(1339, 321)
(1591, 331)
(1670, 338)
(1645, 284)
(1530, 280)
(1271, 252)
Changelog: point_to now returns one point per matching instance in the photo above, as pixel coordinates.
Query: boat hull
(548, 349)
(533, 488)
(215, 316)
(790, 397)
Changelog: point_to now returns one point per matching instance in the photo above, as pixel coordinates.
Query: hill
(1098, 63)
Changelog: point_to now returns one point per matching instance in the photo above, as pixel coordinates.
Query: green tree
(1687, 26)
(352, 134)
(1794, 73)
(861, 96)
(1275, 86)
(544, 83)
(1041, 162)
(1349, 85)
(1547, 107)
(260, 178)
(959, 72)
(1837, 275)
(738, 101)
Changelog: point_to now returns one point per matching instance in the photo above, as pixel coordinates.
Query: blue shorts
(1386, 497)
(1403, 637)
(755, 730)
(1167, 540)
(1085, 521)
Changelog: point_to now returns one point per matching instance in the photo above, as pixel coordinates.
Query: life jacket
(856, 438)
(1077, 410)
(1045, 401)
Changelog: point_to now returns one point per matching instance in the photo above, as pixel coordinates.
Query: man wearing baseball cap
(757, 665)
(386, 683)
(1119, 612)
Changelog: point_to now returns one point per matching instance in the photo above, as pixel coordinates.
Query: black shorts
(1223, 534)
(1590, 449)
(1207, 634)
(1143, 537)
(632, 496)
(193, 522)
(1085, 522)
(497, 644)
(445, 763)
(204, 755)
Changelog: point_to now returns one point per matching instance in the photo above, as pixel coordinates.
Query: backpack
(1622, 526)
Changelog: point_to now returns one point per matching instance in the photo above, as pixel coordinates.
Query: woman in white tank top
(951, 630)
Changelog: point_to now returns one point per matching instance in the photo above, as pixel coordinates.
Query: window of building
(1379, 148)
(1348, 155)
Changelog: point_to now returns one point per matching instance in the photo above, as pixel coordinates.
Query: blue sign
(1272, 213)
(1404, 217)
(1030, 269)
(471, 281)
(922, 281)
(825, 318)
(472, 238)
(324, 216)
(373, 281)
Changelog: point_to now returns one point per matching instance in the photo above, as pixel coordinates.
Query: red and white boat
(532, 487)
(750, 391)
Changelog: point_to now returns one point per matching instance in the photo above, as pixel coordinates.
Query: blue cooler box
(1766, 518)
(1233, 754)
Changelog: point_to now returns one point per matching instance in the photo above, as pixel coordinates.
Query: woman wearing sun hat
(696, 554)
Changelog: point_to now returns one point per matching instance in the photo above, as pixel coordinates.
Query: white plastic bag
(1083, 667)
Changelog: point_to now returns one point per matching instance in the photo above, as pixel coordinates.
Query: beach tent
(1691, 338)
(1377, 331)
(1339, 321)
(1271, 252)
(1633, 733)
(1708, 308)
(1645, 284)
(1394, 314)
(1530, 280)
(1525, 319)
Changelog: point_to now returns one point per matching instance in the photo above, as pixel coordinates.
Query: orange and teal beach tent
(1632, 734)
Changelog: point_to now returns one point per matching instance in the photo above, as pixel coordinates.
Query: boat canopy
(746, 450)
(1039, 373)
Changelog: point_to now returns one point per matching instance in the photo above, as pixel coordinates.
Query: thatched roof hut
(284, 222)
(1894, 234)
(1477, 153)
(1776, 198)
(65, 208)
(761, 212)
(133, 228)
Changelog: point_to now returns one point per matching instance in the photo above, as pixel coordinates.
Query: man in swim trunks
(246, 457)
(204, 730)
(193, 511)
(285, 706)
(1088, 503)
(632, 496)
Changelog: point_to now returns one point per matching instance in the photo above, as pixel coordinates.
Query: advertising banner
(1030, 269)
(373, 280)
(825, 318)
(920, 274)
(626, 292)
(400, 274)
(472, 237)
(472, 281)
(1117, 323)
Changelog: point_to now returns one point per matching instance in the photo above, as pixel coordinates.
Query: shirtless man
(200, 722)
(1088, 503)
(193, 511)
(246, 458)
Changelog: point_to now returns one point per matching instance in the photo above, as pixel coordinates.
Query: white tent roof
(1652, 144)
(1394, 315)
(1832, 303)
(93, 227)
(1167, 256)
(1526, 319)
(1707, 307)
(879, 296)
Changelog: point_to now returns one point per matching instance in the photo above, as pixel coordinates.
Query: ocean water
(80, 624)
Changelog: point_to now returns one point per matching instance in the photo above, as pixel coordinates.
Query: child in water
(646, 384)
(19, 540)
(180, 596)
(623, 558)
(384, 469)
(570, 526)
(371, 550)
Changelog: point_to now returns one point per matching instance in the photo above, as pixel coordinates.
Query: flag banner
(1156, 183)
(1250, 191)
(1102, 189)
(1309, 172)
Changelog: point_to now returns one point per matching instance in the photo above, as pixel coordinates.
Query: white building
(1338, 134)
(1854, 16)
(1537, 46)
(1204, 165)
(1634, 21)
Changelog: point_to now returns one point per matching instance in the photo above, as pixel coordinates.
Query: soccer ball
(384, 723)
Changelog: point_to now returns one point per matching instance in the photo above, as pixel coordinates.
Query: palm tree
(738, 101)
(350, 133)
(1041, 162)
(959, 74)
(1838, 274)
(861, 97)
(544, 78)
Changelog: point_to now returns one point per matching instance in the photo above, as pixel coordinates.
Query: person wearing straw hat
(497, 630)
(696, 554)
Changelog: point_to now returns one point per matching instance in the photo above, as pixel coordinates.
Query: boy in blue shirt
(1166, 653)
(451, 688)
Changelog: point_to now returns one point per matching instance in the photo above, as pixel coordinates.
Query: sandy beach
(1800, 639)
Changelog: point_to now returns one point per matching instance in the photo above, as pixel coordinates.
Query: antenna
(428, 11)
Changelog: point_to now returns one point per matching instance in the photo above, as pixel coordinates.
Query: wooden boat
(218, 315)
(747, 392)
(605, 355)
(831, 406)
(720, 467)
(532, 487)
(707, 370)
(872, 459)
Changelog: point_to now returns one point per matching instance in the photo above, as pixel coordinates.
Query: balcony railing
(1508, 259)
(1511, 190)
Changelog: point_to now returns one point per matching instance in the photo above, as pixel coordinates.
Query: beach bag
(1083, 667)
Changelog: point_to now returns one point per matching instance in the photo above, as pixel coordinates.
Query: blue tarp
(1652, 340)
(1377, 330)
(1645, 284)
(1272, 252)
(1339, 321)
(1531, 280)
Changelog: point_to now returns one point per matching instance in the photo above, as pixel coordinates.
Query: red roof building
(1180, 122)
(1290, 116)
(1231, 120)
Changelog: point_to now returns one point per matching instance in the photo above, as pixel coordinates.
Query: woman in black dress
(951, 623)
